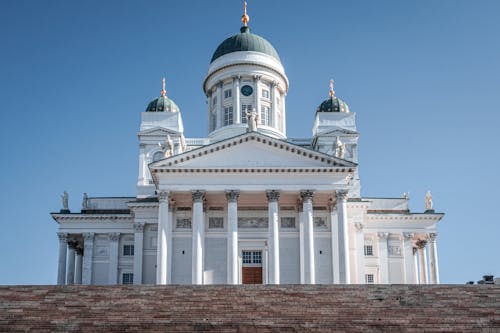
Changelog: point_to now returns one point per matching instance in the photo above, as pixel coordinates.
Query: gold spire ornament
(163, 91)
(245, 18)
(332, 92)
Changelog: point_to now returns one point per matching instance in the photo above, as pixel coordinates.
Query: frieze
(252, 222)
(288, 223)
(114, 236)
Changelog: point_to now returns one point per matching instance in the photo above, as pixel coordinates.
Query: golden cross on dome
(163, 91)
(245, 18)
(332, 92)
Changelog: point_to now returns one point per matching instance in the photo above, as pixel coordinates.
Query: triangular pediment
(251, 150)
(158, 131)
(338, 131)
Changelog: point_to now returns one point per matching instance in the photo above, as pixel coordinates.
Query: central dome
(245, 41)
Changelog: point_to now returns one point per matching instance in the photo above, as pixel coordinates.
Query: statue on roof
(64, 199)
(428, 201)
(252, 120)
(339, 148)
(85, 201)
(167, 147)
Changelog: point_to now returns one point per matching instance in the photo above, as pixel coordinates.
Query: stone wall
(298, 308)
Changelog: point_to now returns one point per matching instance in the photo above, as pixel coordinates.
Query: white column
(164, 225)
(220, 111)
(274, 238)
(433, 259)
(360, 253)
(343, 231)
(257, 93)
(334, 226)
(415, 265)
(283, 113)
(78, 264)
(274, 106)
(197, 238)
(142, 165)
(421, 245)
(408, 258)
(307, 208)
(383, 256)
(302, 251)
(236, 99)
(70, 278)
(114, 238)
(232, 236)
(138, 249)
(88, 253)
(63, 249)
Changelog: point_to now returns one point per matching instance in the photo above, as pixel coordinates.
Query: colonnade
(306, 230)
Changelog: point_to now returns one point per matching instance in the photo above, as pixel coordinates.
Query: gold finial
(245, 18)
(332, 92)
(163, 91)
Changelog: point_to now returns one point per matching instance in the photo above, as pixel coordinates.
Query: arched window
(157, 156)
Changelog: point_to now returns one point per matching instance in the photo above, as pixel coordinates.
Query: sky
(423, 78)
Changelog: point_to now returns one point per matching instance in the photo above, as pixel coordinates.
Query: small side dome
(333, 104)
(162, 103)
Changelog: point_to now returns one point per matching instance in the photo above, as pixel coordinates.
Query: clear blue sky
(422, 76)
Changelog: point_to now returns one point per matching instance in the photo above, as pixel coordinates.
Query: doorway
(252, 267)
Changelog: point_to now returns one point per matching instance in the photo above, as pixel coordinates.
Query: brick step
(350, 308)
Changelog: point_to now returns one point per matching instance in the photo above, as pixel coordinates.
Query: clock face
(246, 90)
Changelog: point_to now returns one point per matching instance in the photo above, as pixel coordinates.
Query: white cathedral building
(247, 204)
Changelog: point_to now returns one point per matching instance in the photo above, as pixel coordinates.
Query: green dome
(245, 41)
(162, 104)
(333, 104)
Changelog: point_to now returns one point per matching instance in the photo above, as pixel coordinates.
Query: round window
(246, 90)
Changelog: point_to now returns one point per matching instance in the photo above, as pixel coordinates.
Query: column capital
(236, 77)
(383, 235)
(341, 194)
(88, 236)
(163, 195)
(72, 243)
(257, 77)
(232, 195)
(306, 195)
(139, 226)
(359, 227)
(421, 243)
(272, 195)
(408, 236)
(274, 84)
(114, 236)
(219, 84)
(198, 195)
(432, 237)
(63, 236)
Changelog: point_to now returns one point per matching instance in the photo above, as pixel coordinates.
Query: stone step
(298, 308)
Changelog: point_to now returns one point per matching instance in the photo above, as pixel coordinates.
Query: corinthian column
(197, 238)
(70, 278)
(78, 265)
(236, 99)
(164, 226)
(232, 236)
(307, 208)
(383, 255)
(138, 248)
(408, 257)
(63, 249)
(114, 238)
(344, 267)
(421, 244)
(274, 239)
(360, 252)
(433, 259)
(334, 230)
(88, 253)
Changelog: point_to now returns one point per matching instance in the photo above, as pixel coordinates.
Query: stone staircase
(294, 308)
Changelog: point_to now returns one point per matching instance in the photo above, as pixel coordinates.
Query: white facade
(247, 204)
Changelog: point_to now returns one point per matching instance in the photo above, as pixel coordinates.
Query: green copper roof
(245, 41)
(333, 104)
(162, 104)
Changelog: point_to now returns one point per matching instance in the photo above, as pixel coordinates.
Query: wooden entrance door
(252, 275)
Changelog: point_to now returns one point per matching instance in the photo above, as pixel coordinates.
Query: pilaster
(307, 208)
(138, 251)
(334, 230)
(422, 256)
(164, 225)
(63, 249)
(236, 99)
(274, 239)
(408, 258)
(88, 253)
(197, 237)
(232, 236)
(114, 238)
(343, 231)
(360, 253)
(383, 257)
(70, 278)
(433, 259)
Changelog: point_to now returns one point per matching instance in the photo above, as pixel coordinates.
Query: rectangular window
(128, 278)
(128, 250)
(369, 279)
(265, 115)
(368, 250)
(265, 93)
(228, 93)
(244, 109)
(252, 257)
(228, 116)
(257, 257)
(247, 257)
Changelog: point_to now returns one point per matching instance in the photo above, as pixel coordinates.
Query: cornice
(79, 217)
